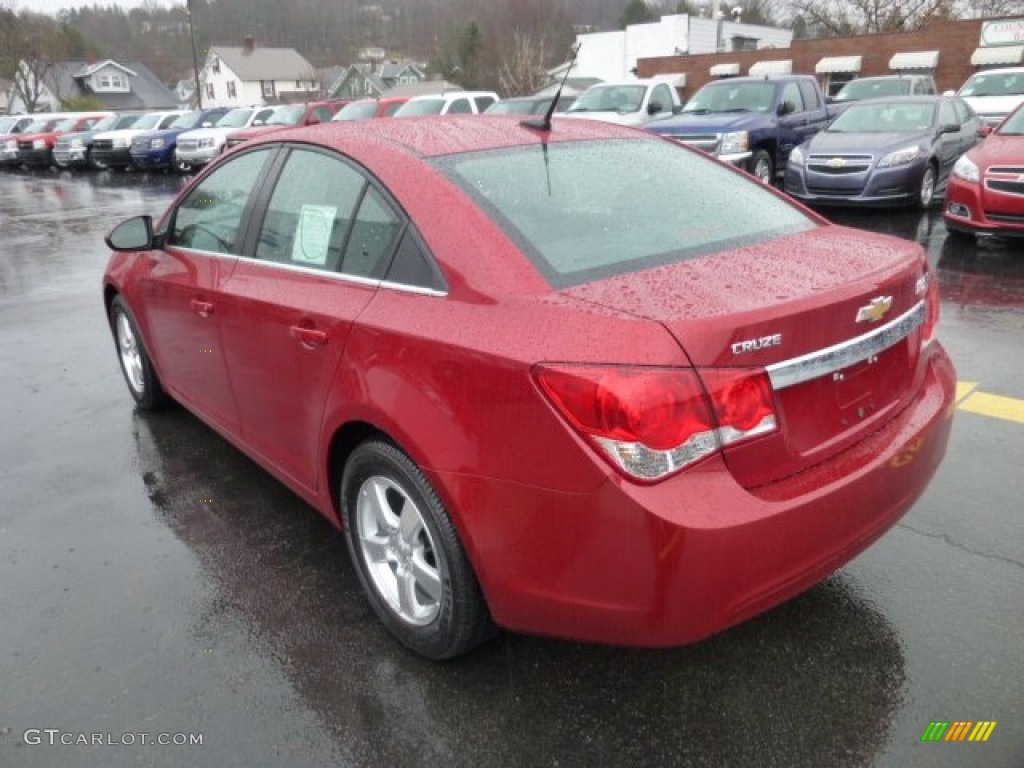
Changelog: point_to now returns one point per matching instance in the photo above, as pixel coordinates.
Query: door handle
(202, 308)
(309, 336)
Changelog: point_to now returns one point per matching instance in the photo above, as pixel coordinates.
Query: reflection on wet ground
(829, 656)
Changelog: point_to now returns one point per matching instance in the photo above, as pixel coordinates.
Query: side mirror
(135, 234)
(950, 127)
(654, 108)
(786, 108)
(984, 130)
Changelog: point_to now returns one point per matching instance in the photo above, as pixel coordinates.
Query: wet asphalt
(154, 581)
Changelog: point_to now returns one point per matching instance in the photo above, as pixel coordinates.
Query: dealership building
(950, 51)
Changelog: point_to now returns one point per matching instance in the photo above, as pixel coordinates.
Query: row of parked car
(187, 139)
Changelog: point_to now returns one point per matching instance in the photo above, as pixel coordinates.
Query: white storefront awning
(675, 79)
(784, 67)
(838, 64)
(998, 54)
(725, 70)
(914, 60)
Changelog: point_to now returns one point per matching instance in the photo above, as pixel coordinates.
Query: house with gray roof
(372, 80)
(234, 76)
(116, 85)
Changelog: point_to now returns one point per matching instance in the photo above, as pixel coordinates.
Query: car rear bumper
(677, 561)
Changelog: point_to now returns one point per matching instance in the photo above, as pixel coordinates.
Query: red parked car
(986, 187)
(364, 109)
(35, 150)
(579, 381)
(288, 116)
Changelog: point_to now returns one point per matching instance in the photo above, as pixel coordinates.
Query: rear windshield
(586, 210)
(423, 107)
(357, 110)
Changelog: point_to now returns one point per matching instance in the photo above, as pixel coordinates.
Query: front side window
(310, 213)
(167, 121)
(791, 95)
(947, 115)
(460, 107)
(210, 218)
(582, 211)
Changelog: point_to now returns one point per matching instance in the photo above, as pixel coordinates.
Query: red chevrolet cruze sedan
(986, 187)
(580, 381)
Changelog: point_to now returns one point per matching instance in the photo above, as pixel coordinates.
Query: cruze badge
(836, 162)
(752, 345)
(875, 310)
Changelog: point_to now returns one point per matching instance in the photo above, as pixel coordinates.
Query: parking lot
(157, 582)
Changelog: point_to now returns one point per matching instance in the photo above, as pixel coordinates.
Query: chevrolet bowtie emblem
(836, 162)
(875, 310)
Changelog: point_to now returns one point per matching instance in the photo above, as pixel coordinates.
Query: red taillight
(654, 421)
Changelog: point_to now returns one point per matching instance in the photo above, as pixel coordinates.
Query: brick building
(944, 49)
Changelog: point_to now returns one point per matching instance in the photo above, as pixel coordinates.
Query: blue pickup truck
(752, 122)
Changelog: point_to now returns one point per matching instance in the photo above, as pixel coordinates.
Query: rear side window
(581, 211)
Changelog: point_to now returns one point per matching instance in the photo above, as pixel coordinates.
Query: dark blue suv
(155, 150)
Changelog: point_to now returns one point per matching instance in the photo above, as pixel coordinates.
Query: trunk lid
(834, 315)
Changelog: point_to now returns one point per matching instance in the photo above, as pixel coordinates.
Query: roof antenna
(544, 124)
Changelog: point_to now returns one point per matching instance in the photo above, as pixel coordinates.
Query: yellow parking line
(1008, 408)
(963, 389)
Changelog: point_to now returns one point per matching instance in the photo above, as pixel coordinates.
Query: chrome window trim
(355, 279)
(797, 370)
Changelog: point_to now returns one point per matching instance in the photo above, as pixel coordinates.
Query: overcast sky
(52, 6)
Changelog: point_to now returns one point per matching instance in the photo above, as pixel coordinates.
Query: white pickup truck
(631, 102)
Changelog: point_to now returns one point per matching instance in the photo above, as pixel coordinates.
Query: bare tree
(987, 9)
(854, 17)
(40, 44)
(522, 65)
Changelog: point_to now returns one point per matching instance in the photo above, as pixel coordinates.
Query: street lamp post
(195, 59)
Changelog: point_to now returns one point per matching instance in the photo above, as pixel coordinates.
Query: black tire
(408, 556)
(762, 168)
(926, 188)
(93, 163)
(136, 366)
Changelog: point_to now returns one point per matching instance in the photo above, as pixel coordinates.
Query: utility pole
(195, 59)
